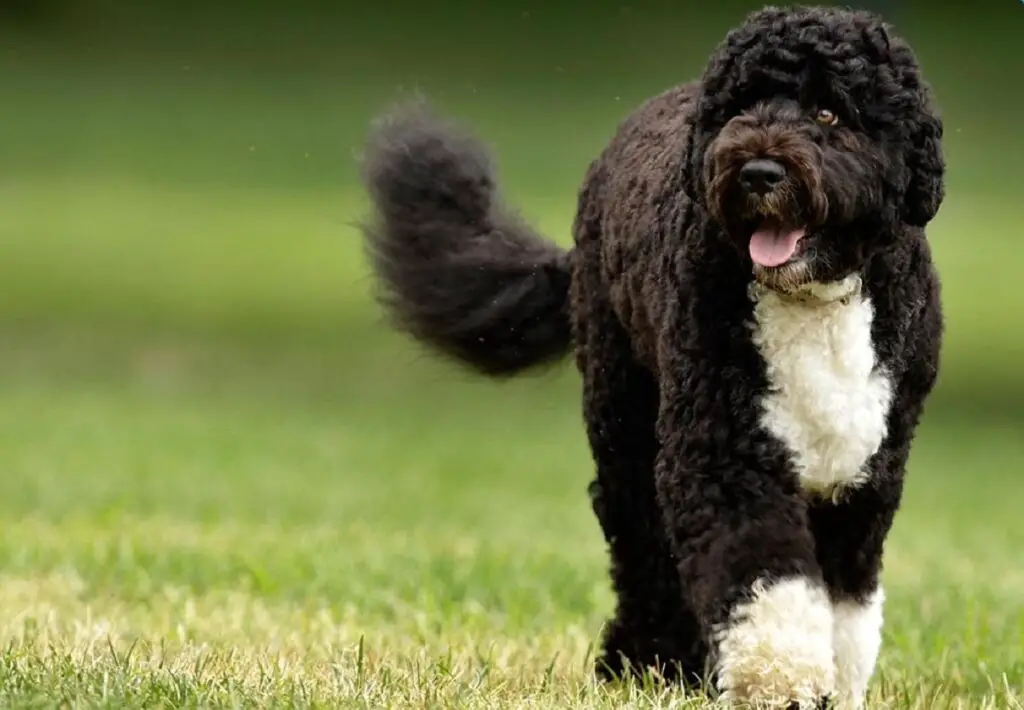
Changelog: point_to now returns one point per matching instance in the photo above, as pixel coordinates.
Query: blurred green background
(200, 406)
(183, 173)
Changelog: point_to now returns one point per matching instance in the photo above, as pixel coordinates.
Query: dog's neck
(814, 293)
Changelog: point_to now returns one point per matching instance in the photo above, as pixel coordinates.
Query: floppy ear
(707, 118)
(694, 156)
(717, 89)
(926, 166)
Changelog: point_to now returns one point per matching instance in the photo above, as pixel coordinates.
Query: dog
(755, 313)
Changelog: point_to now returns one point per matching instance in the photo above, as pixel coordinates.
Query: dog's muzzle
(761, 176)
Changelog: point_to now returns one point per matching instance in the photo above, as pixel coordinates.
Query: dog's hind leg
(651, 628)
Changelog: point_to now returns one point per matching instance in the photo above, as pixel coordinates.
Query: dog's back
(632, 200)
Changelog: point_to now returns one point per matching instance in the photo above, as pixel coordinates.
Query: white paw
(857, 632)
(776, 651)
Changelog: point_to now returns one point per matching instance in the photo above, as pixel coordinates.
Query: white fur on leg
(776, 649)
(857, 637)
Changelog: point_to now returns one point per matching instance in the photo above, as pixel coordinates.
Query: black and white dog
(755, 314)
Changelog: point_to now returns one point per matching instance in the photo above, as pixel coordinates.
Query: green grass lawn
(224, 484)
(228, 486)
(198, 525)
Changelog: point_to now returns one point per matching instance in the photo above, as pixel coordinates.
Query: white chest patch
(826, 401)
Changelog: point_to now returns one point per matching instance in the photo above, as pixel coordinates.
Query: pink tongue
(772, 246)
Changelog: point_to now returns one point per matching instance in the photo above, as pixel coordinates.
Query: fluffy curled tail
(455, 269)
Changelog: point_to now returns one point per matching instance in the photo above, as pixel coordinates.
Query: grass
(180, 533)
(215, 511)
(225, 485)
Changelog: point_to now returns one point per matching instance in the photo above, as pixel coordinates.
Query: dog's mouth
(774, 243)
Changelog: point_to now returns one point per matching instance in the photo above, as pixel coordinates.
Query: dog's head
(815, 143)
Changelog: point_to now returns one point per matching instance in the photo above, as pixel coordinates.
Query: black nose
(761, 176)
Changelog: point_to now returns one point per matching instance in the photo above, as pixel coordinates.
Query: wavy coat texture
(750, 443)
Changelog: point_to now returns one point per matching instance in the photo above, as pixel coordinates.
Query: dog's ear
(923, 158)
(926, 166)
(694, 158)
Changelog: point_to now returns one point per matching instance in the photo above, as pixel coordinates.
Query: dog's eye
(826, 117)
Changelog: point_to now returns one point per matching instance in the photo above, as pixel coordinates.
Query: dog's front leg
(746, 555)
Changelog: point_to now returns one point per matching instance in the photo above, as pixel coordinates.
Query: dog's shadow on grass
(652, 688)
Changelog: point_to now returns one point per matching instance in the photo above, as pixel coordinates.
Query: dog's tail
(454, 268)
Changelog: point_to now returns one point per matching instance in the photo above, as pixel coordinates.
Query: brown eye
(826, 117)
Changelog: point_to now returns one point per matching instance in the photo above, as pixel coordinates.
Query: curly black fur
(700, 500)
(457, 270)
